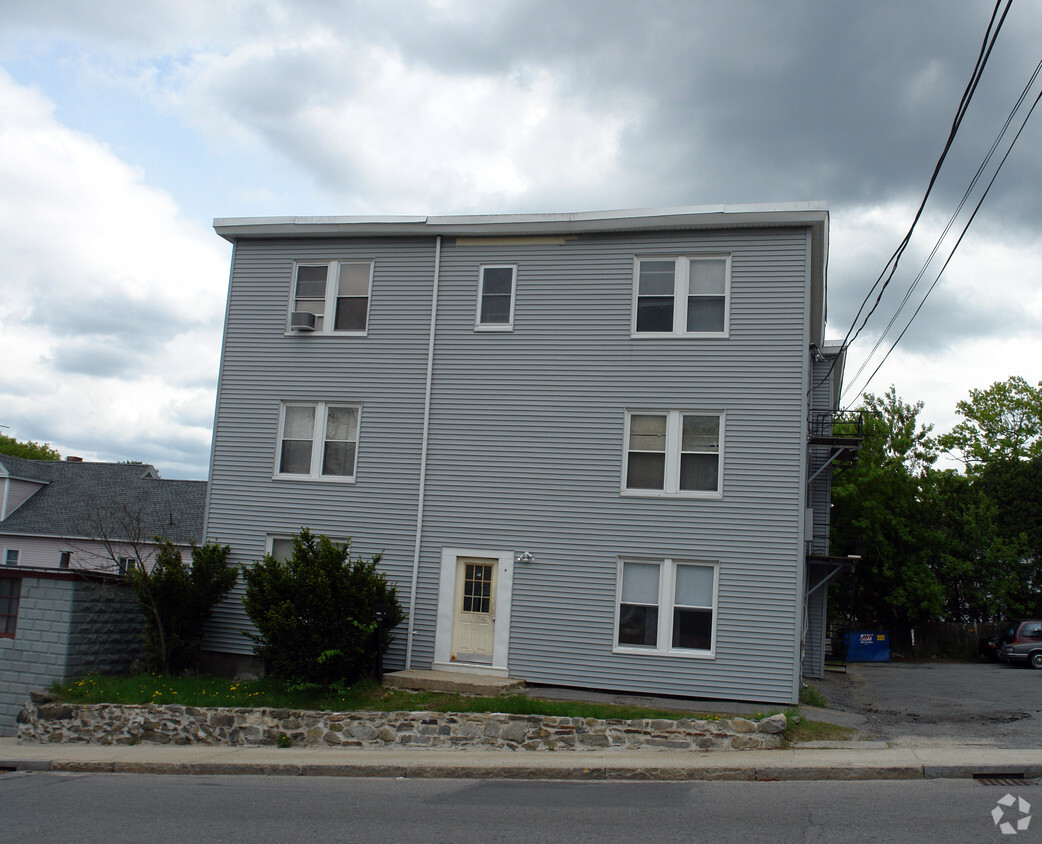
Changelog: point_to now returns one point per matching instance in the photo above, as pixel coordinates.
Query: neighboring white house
(594, 448)
(67, 531)
(92, 516)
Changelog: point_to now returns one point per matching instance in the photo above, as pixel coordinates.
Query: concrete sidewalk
(823, 761)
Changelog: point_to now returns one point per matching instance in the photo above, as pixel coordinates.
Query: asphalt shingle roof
(84, 499)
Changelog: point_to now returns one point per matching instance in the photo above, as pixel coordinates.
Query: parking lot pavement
(926, 703)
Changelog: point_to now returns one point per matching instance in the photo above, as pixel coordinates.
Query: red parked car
(1022, 642)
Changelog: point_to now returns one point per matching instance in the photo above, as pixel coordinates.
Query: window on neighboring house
(685, 296)
(64, 559)
(11, 557)
(125, 564)
(10, 590)
(666, 606)
(496, 297)
(318, 440)
(673, 452)
(336, 293)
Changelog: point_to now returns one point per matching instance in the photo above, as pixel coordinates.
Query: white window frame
(681, 291)
(318, 440)
(8, 561)
(666, 606)
(674, 430)
(329, 304)
(495, 326)
(272, 538)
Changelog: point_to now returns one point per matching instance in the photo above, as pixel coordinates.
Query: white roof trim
(788, 214)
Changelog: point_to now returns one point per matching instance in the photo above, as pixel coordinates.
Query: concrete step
(452, 682)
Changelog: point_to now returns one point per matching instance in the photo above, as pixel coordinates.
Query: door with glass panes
(474, 622)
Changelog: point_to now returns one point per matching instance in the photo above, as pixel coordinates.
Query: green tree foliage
(177, 601)
(313, 612)
(1000, 423)
(885, 499)
(27, 450)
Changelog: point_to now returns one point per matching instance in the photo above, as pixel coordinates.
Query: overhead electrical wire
(982, 59)
(951, 221)
(956, 246)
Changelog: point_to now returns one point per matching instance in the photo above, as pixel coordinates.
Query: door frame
(447, 612)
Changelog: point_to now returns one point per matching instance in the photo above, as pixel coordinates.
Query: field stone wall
(183, 725)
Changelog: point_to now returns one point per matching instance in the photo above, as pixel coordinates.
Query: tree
(1002, 422)
(886, 498)
(177, 601)
(314, 611)
(27, 450)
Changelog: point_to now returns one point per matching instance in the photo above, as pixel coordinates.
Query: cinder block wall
(36, 654)
(65, 628)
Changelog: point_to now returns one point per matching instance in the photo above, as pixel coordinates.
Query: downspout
(423, 456)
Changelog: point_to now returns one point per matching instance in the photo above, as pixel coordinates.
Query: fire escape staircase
(833, 443)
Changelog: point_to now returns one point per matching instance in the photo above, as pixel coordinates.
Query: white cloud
(389, 135)
(111, 303)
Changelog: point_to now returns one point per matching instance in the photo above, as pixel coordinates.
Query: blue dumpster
(867, 645)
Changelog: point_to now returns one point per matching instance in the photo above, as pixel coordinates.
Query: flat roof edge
(773, 214)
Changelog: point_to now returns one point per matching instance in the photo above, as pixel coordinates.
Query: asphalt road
(111, 808)
(933, 702)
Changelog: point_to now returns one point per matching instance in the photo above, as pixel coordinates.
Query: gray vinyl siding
(526, 443)
(526, 453)
(263, 366)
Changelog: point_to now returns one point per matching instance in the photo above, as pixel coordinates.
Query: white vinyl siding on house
(673, 453)
(682, 297)
(666, 607)
(496, 298)
(317, 440)
(337, 294)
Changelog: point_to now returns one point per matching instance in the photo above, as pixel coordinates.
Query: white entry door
(474, 619)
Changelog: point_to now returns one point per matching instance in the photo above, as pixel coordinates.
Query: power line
(951, 221)
(983, 55)
(956, 246)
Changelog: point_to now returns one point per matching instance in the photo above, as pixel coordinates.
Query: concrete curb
(762, 773)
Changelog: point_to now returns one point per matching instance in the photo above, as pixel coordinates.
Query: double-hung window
(10, 591)
(666, 606)
(11, 557)
(496, 298)
(318, 440)
(673, 452)
(687, 296)
(331, 297)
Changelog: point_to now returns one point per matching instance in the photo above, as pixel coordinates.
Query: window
(64, 558)
(666, 606)
(686, 296)
(125, 564)
(496, 298)
(10, 590)
(336, 293)
(11, 557)
(318, 440)
(673, 452)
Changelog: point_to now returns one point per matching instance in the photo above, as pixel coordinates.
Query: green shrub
(313, 612)
(177, 601)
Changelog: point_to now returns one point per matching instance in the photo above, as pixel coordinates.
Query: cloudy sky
(126, 127)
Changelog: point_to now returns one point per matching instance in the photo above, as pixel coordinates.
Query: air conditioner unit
(302, 321)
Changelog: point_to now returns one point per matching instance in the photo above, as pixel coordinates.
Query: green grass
(367, 695)
(216, 691)
(812, 696)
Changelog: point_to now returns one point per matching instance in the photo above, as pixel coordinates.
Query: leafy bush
(177, 601)
(314, 612)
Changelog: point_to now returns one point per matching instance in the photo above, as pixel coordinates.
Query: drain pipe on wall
(423, 456)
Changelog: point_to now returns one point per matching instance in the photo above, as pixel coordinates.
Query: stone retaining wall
(173, 724)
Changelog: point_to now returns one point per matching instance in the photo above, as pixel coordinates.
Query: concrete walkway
(819, 761)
